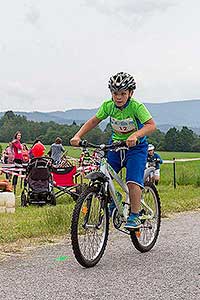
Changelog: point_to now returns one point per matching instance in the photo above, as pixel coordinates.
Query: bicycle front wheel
(150, 213)
(90, 227)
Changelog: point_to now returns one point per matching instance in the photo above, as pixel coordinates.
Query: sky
(59, 55)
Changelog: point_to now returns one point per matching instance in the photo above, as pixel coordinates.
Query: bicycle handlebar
(154, 160)
(104, 147)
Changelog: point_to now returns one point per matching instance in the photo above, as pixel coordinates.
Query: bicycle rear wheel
(89, 228)
(145, 238)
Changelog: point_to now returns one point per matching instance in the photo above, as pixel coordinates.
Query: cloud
(129, 10)
(17, 92)
(32, 15)
(2, 47)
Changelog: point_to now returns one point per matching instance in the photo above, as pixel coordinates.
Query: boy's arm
(148, 128)
(89, 125)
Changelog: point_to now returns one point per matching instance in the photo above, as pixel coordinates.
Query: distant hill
(177, 113)
(166, 115)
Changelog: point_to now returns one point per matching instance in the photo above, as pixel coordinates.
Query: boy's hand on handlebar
(131, 141)
(75, 141)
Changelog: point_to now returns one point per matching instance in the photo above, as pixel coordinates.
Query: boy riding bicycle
(131, 122)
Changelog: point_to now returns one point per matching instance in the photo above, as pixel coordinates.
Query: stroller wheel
(24, 201)
(52, 199)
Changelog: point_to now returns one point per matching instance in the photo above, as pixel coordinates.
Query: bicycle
(90, 219)
(151, 170)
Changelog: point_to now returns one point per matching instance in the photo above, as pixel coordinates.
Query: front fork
(103, 199)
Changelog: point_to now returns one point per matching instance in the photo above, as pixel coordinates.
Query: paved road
(169, 271)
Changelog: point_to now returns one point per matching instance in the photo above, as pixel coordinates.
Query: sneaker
(111, 208)
(133, 222)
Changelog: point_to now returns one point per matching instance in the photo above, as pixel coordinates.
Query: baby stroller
(38, 183)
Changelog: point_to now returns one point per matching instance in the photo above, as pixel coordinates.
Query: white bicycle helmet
(151, 147)
(121, 81)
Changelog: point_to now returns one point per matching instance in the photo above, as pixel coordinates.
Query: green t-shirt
(124, 121)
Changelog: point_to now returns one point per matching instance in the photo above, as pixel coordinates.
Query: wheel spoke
(89, 228)
(150, 218)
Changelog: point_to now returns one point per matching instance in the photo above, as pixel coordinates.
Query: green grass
(187, 173)
(49, 221)
(36, 222)
(183, 198)
(171, 155)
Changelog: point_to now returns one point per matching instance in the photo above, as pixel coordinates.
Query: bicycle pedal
(138, 233)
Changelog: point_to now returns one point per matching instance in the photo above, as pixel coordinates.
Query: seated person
(155, 160)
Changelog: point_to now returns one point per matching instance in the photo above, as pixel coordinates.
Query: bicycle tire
(23, 199)
(138, 237)
(83, 216)
(52, 199)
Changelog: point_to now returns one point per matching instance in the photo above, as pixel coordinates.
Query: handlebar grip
(122, 144)
(83, 143)
(119, 144)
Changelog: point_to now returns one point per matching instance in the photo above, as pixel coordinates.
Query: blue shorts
(134, 160)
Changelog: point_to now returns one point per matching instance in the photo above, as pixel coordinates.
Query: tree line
(184, 140)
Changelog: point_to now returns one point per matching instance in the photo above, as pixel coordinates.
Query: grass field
(47, 222)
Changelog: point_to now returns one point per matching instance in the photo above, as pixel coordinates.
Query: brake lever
(83, 143)
(120, 148)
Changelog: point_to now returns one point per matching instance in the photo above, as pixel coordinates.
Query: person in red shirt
(38, 150)
(17, 148)
(18, 157)
(30, 150)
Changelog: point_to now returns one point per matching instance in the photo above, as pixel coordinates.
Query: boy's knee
(133, 186)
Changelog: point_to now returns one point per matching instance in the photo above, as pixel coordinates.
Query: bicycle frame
(110, 173)
(149, 172)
